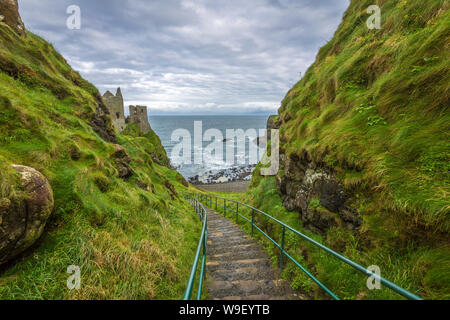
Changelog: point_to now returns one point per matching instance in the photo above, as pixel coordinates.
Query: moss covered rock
(24, 215)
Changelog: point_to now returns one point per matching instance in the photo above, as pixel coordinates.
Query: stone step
(232, 241)
(252, 253)
(222, 236)
(248, 273)
(237, 264)
(222, 226)
(226, 235)
(246, 288)
(213, 250)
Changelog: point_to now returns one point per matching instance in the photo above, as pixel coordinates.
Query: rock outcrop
(312, 190)
(23, 217)
(171, 188)
(122, 162)
(272, 123)
(101, 122)
(160, 159)
(9, 14)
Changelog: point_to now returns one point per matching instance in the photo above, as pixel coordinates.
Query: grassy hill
(133, 238)
(373, 110)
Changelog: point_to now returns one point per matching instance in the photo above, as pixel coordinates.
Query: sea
(187, 128)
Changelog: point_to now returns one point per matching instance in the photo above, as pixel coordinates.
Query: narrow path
(238, 268)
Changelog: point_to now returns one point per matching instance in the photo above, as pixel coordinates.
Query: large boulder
(9, 14)
(24, 215)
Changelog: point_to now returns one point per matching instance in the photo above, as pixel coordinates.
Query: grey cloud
(223, 56)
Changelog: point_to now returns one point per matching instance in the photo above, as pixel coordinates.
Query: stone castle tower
(138, 115)
(115, 105)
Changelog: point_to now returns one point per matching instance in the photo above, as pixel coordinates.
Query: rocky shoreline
(242, 173)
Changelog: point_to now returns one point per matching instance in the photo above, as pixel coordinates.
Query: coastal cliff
(365, 153)
(74, 192)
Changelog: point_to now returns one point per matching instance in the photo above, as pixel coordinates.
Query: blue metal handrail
(200, 209)
(209, 199)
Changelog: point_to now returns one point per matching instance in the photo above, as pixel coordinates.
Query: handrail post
(283, 234)
(237, 212)
(224, 207)
(216, 203)
(201, 247)
(253, 220)
(202, 270)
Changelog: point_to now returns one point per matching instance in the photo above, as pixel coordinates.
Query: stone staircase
(238, 268)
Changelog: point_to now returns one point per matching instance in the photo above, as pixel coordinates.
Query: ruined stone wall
(115, 105)
(138, 115)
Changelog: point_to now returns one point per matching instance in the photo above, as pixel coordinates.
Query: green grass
(130, 242)
(382, 95)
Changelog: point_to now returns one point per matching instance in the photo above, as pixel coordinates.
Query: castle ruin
(114, 103)
(138, 114)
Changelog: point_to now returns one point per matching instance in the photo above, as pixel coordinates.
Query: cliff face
(372, 112)
(365, 134)
(111, 195)
(313, 190)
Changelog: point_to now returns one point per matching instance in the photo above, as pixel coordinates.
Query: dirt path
(238, 268)
(238, 186)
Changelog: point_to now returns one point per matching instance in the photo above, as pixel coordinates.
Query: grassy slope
(129, 242)
(374, 107)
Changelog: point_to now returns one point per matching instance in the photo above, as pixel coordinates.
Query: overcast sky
(190, 56)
